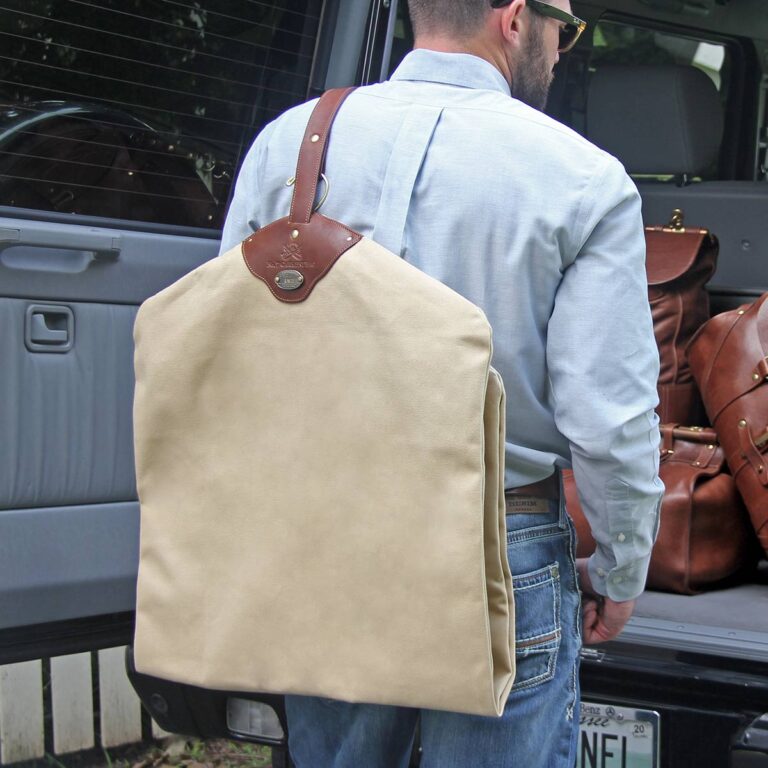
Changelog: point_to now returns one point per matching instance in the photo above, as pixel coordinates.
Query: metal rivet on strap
(761, 469)
(741, 311)
(755, 376)
(290, 181)
(711, 447)
(350, 239)
(315, 138)
(743, 423)
(696, 463)
(295, 234)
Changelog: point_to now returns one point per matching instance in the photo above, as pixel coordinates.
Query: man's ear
(511, 18)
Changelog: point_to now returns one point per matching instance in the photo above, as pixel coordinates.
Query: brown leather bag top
(729, 359)
(705, 538)
(679, 263)
(291, 255)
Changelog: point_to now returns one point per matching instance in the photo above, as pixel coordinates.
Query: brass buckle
(676, 222)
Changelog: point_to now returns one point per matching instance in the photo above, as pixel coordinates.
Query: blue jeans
(539, 727)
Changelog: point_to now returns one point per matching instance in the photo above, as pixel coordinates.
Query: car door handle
(49, 328)
(101, 244)
(42, 333)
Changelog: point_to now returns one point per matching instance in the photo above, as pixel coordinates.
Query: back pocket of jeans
(537, 625)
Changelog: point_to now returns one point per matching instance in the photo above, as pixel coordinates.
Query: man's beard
(533, 77)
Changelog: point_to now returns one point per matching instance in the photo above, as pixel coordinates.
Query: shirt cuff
(619, 584)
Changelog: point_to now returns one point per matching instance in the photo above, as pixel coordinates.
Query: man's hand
(602, 618)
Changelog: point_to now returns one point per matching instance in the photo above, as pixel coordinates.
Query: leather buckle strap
(312, 154)
(548, 488)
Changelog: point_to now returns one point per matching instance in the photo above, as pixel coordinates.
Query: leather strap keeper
(548, 488)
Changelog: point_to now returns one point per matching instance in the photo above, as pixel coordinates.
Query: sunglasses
(572, 27)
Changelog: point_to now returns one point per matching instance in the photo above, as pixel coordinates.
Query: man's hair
(457, 18)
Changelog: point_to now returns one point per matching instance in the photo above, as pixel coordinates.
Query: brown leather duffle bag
(679, 263)
(705, 538)
(729, 359)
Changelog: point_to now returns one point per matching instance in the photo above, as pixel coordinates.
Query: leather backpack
(729, 358)
(679, 263)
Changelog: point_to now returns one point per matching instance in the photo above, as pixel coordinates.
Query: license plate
(617, 737)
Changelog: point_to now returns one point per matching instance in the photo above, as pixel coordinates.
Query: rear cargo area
(732, 622)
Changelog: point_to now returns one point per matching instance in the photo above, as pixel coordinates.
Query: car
(121, 133)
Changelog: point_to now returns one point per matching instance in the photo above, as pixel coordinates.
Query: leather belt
(548, 488)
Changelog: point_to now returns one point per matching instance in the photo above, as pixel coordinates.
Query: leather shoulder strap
(312, 153)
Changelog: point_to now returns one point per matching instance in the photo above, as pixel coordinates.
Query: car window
(616, 43)
(142, 109)
(619, 43)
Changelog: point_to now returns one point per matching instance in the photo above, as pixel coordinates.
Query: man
(543, 231)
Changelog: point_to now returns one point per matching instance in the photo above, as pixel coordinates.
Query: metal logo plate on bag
(289, 279)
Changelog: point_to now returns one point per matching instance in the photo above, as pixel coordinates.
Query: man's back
(497, 200)
(543, 231)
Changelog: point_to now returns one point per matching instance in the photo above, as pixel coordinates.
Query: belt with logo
(548, 488)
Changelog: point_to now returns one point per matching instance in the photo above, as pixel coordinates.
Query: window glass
(616, 43)
(143, 109)
(623, 44)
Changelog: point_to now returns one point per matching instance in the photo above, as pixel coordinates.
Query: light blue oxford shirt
(538, 227)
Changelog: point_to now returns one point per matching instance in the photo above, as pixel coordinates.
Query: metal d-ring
(323, 197)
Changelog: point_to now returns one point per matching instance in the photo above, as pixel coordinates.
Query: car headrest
(657, 119)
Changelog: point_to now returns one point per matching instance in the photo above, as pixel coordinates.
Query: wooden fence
(67, 704)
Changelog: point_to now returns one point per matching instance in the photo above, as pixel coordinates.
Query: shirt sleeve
(243, 216)
(603, 365)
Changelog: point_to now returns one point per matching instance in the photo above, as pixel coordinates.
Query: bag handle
(314, 147)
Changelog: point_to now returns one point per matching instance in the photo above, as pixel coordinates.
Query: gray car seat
(668, 120)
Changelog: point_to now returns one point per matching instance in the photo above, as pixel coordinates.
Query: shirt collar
(462, 69)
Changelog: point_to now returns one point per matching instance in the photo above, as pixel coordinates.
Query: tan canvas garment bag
(319, 452)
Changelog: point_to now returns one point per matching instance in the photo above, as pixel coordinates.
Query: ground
(173, 752)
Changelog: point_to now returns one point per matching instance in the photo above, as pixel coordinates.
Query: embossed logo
(291, 252)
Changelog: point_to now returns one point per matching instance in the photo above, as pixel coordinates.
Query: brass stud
(315, 138)
(741, 311)
(350, 239)
(290, 181)
(743, 423)
(696, 463)
(295, 234)
(711, 447)
(755, 377)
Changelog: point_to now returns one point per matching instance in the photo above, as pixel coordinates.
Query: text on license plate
(617, 737)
